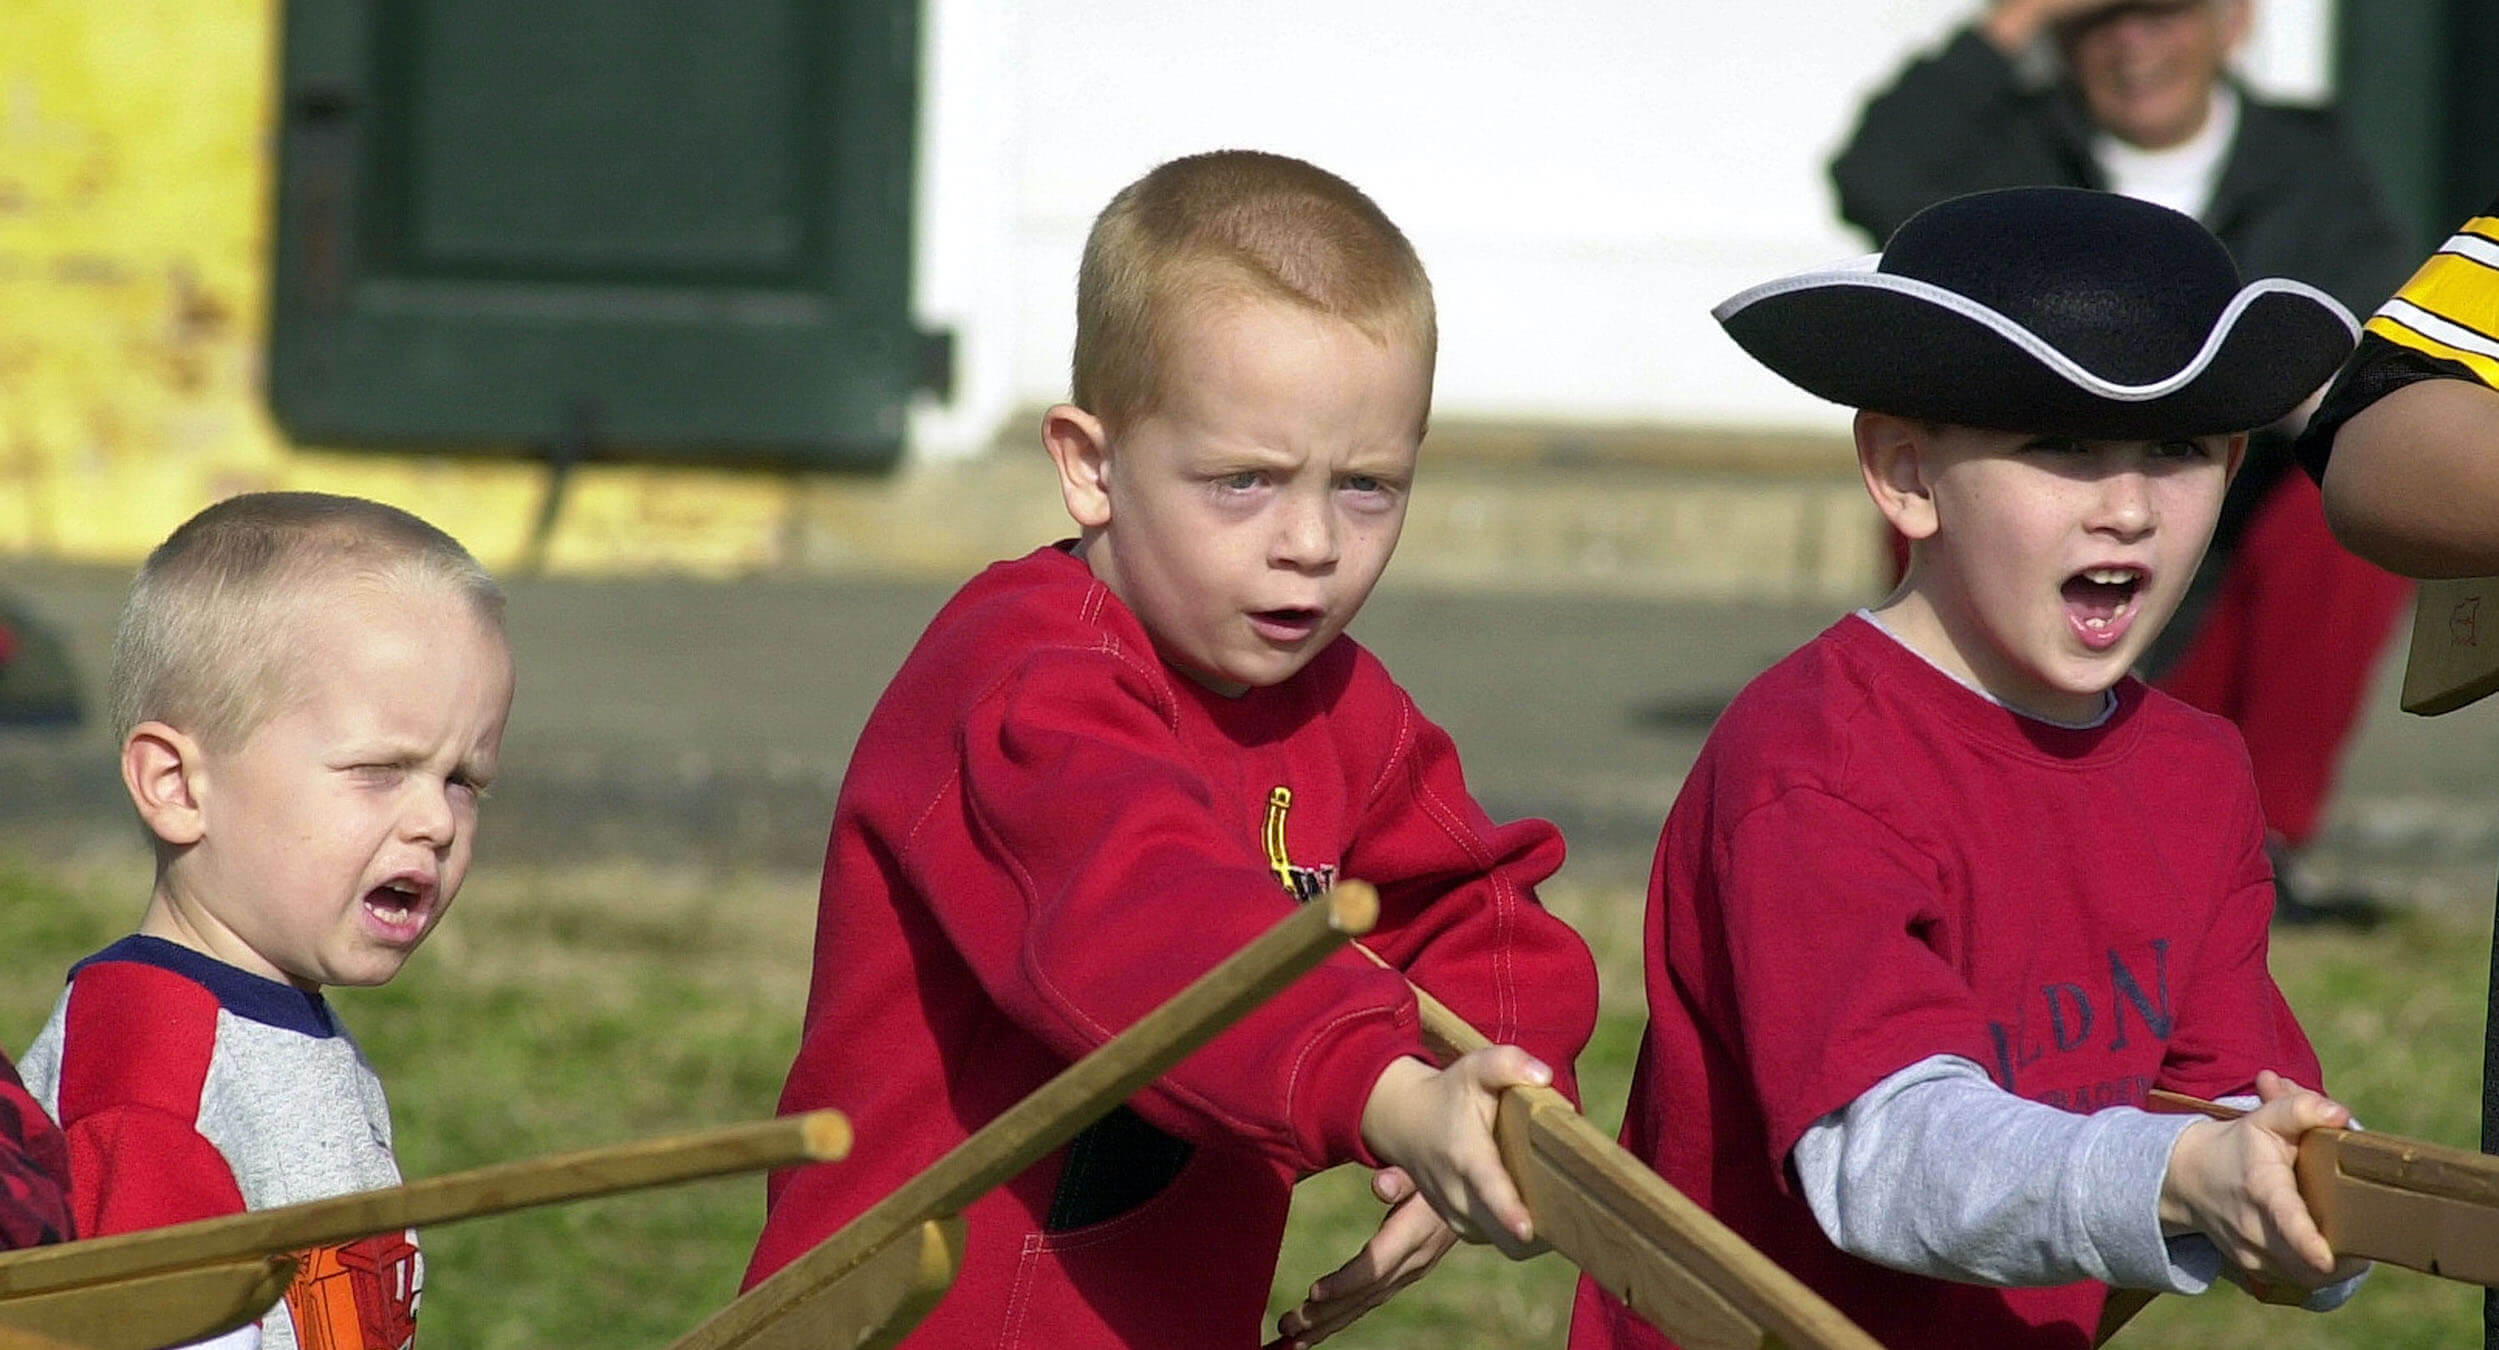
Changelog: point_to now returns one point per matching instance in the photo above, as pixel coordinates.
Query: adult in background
(2284, 626)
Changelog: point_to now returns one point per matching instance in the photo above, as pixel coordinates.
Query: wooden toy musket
(813, 1302)
(2448, 665)
(186, 1282)
(1645, 1242)
(2424, 1207)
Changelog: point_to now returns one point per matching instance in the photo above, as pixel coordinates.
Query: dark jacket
(2294, 199)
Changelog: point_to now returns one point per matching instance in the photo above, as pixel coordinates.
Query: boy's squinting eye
(1243, 481)
(2182, 449)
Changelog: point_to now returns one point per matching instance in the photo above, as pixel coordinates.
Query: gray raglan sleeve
(1937, 1171)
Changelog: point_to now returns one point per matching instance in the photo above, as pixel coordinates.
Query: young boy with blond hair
(309, 692)
(1111, 763)
(1948, 891)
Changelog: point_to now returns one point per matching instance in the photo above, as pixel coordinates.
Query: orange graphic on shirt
(359, 1296)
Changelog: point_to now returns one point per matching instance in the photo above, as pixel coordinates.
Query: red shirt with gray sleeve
(1873, 865)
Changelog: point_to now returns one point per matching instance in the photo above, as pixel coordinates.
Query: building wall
(1582, 180)
(134, 188)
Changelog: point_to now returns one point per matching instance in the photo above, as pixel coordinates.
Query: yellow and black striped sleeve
(2443, 325)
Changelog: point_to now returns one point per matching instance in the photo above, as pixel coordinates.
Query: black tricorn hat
(2055, 311)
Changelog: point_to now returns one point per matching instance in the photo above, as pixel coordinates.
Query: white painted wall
(1583, 180)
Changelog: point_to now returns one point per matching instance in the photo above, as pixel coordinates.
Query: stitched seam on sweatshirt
(1293, 1081)
(1111, 646)
(1091, 612)
(1012, 1332)
(1505, 1006)
(911, 837)
(1398, 746)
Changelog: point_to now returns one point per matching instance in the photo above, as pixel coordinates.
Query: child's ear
(1082, 451)
(162, 769)
(2236, 458)
(1891, 455)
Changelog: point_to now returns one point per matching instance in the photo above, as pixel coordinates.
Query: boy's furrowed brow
(1248, 453)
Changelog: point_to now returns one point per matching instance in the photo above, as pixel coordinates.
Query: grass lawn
(562, 1009)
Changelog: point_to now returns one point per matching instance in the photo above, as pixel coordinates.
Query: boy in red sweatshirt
(1109, 764)
(1948, 890)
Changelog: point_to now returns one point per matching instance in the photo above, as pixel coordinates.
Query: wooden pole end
(1353, 906)
(825, 1135)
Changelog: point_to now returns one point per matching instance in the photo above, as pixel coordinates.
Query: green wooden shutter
(642, 227)
(2418, 83)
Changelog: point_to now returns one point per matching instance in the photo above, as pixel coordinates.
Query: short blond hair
(1231, 225)
(205, 644)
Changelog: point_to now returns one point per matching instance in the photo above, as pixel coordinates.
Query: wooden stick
(2454, 657)
(876, 1303)
(170, 1307)
(1645, 1242)
(1027, 1131)
(814, 1137)
(13, 1339)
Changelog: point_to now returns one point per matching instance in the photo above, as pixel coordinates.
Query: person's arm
(1458, 907)
(2414, 482)
(1459, 916)
(2406, 446)
(135, 1167)
(1957, 120)
(1939, 1172)
(1866, 1082)
(2011, 26)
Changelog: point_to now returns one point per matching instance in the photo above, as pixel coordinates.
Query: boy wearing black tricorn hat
(1948, 891)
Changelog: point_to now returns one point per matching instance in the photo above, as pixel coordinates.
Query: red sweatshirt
(1871, 864)
(1044, 833)
(34, 1169)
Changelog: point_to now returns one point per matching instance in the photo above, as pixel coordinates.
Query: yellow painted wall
(136, 163)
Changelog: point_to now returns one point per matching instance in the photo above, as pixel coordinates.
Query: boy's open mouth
(1286, 625)
(2101, 603)
(400, 904)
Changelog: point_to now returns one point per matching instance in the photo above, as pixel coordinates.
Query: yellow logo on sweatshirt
(1302, 883)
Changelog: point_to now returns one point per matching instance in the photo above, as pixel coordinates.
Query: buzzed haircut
(1231, 225)
(204, 642)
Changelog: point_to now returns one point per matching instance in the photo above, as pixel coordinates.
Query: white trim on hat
(1862, 272)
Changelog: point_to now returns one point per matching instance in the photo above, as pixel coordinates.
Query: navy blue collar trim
(240, 992)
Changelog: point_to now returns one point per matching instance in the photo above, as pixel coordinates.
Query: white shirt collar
(2183, 176)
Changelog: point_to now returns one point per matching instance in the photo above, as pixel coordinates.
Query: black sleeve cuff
(2377, 368)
